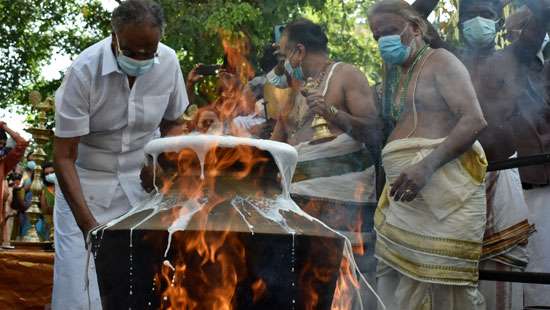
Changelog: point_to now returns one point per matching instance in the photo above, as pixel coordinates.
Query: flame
(205, 268)
(236, 46)
(346, 286)
(258, 290)
(210, 265)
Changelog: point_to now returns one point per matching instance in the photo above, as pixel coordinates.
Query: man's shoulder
(348, 72)
(442, 61)
(166, 53)
(442, 54)
(91, 55)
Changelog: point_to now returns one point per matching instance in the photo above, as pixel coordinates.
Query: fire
(206, 267)
(258, 290)
(346, 287)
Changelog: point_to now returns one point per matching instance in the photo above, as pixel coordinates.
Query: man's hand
(411, 180)
(316, 103)
(89, 227)
(193, 77)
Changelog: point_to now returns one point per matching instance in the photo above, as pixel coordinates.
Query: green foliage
(32, 31)
(350, 39)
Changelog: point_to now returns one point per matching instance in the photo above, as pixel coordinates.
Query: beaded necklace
(397, 106)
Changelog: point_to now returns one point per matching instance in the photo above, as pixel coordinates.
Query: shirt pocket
(153, 111)
(98, 187)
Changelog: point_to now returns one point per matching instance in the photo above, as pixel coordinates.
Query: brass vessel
(321, 131)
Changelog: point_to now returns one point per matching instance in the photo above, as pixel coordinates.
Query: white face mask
(50, 178)
(131, 66)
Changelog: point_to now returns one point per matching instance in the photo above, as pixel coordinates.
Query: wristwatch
(333, 110)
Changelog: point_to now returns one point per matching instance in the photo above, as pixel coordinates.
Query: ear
(301, 49)
(416, 29)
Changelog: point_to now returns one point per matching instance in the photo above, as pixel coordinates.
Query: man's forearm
(69, 183)
(461, 138)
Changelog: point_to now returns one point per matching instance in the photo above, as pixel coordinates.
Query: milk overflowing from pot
(285, 157)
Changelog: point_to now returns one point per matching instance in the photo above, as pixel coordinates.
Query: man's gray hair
(403, 9)
(132, 12)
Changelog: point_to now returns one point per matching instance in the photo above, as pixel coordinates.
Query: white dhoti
(107, 200)
(404, 293)
(429, 248)
(538, 202)
(505, 241)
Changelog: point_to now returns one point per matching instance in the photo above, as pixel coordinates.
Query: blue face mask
(479, 31)
(131, 66)
(31, 165)
(392, 50)
(50, 178)
(296, 73)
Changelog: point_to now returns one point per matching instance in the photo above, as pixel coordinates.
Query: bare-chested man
(334, 180)
(515, 111)
(431, 216)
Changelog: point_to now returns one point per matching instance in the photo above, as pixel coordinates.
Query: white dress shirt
(114, 121)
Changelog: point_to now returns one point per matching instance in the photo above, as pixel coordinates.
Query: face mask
(31, 165)
(131, 66)
(479, 31)
(297, 72)
(392, 50)
(50, 178)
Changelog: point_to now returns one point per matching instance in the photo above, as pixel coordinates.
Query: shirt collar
(109, 59)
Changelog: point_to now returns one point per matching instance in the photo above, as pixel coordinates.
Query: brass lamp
(41, 135)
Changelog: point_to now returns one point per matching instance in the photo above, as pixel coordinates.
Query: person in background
(14, 181)
(8, 160)
(513, 103)
(47, 199)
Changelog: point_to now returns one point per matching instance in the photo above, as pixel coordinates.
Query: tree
(32, 31)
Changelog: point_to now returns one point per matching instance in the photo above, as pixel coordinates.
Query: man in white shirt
(114, 98)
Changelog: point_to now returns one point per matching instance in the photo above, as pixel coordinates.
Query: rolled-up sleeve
(72, 106)
(178, 98)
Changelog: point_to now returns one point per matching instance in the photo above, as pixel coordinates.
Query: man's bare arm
(64, 157)
(363, 122)
(453, 82)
